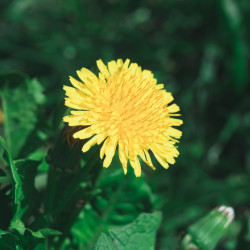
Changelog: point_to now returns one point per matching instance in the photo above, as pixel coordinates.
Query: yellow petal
(170, 159)
(133, 67)
(161, 160)
(149, 163)
(148, 158)
(102, 67)
(138, 71)
(89, 143)
(173, 108)
(84, 133)
(175, 122)
(119, 64)
(88, 78)
(103, 148)
(74, 120)
(109, 152)
(160, 86)
(69, 103)
(112, 67)
(147, 74)
(76, 84)
(136, 166)
(123, 159)
(126, 63)
(173, 132)
(70, 91)
(78, 95)
(79, 113)
(168, 96)
(101, 138)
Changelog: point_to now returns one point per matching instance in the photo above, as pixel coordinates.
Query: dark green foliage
(119, 202)
(7, 240)
(104, 242)
(23, 192)
(21, 98)
(138, 235)
(199, 49)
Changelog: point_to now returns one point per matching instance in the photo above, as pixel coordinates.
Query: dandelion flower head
(124, 109)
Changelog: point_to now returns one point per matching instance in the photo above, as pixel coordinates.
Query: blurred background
(199, 49)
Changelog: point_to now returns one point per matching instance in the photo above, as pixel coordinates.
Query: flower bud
(209, 230)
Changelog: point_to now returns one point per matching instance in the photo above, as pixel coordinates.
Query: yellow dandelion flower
(124, 108)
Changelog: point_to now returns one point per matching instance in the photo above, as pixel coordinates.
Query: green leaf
(45, 232)
(104, 242)
(18, 186)
(18, 191)
(31, 239)
(4, 233)
(140, 234)
(7, 240)
(27, 170)
(232, 13)
(24, 172)
(248, 229)
(233, 19)
(20, 107)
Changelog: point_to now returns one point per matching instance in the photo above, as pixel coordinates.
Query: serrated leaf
(27, 170)
(140, 234)
(18, 186)
(104, 242)
(23, 172)
(20, 106)
(18, 191)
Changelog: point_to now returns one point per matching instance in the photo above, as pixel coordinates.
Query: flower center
(130, 108)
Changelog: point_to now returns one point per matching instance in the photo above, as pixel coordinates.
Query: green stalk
(80, 176)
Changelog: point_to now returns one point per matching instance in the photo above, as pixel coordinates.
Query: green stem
(47, 243)
(82, 175)
(51, 190)
(6, 123)
(69, 200)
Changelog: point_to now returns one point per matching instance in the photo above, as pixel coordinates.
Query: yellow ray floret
(124, 108)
